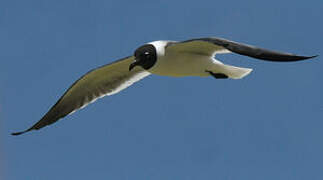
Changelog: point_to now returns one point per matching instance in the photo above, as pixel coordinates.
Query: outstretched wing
(212, 45)
(100, 82)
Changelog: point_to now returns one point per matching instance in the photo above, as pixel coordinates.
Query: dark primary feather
(95, 84)
(244, 49)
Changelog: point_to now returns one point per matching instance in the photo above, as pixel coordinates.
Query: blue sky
(265, 126)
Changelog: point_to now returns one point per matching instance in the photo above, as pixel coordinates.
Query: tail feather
(232, 71)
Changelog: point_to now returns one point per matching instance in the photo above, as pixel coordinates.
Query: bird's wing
(212, 45)
(103, 81)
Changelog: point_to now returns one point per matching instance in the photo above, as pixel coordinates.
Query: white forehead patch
(160, 47)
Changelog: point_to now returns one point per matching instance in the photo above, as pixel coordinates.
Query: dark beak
(132, 65)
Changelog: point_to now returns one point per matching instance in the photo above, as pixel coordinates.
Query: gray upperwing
(244, 49)
(105, 80)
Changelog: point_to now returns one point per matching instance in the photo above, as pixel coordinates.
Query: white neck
(160, 47)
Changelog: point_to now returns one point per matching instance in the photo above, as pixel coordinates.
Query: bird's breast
(181, 64)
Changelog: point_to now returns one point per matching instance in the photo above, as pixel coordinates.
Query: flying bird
(194, 57)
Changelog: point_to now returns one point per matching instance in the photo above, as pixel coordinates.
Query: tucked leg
(227, 71)
(217, 75)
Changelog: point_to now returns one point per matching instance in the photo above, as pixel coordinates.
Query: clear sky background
(266, 126)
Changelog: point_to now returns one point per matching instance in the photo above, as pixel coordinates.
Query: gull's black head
(145, 56)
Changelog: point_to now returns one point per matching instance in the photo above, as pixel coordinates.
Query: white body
(178, 65)
(189, 64)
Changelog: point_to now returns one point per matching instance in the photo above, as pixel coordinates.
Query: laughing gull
(194, 57)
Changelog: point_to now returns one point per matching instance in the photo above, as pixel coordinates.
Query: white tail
(231, 71)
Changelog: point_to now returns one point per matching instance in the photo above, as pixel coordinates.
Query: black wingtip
(310, 57)
(19, 133)
(297, 58)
